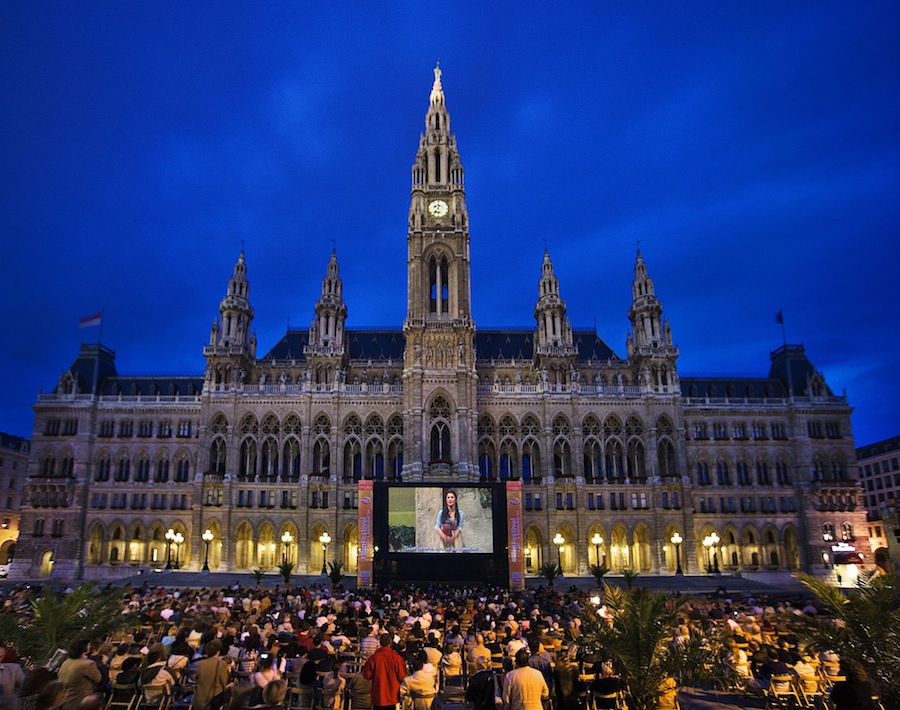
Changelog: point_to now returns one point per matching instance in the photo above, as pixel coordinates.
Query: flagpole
(97, 359)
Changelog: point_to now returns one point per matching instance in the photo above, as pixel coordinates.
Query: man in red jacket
(385, 668)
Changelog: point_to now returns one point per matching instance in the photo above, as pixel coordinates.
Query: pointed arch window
(440, 442)
(439, 285)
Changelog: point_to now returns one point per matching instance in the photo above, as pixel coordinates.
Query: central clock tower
(439, 367)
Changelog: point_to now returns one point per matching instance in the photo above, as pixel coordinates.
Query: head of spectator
(521, 658)
(51, 696)
(274, 693)
(212, 648)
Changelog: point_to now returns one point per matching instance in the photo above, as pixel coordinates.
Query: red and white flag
(89, 321)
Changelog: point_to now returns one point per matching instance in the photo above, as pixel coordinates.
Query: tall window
(439, 285)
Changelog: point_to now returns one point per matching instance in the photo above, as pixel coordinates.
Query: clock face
(438, 208)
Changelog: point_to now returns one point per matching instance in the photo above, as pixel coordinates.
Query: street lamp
(207, 538)
(714, 538)
(677, 540)
(324, 538)
(596, 541)
(177, 539)
(287, 539)
(707, 543)
(170, 538)
(559, 541)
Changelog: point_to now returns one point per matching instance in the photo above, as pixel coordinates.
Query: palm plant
(629, 575)
(257, 575)
(637, 637)
(599, 571)
(52, 620)
(865, 627)
(550, 571)
(335, 573)
(286, 569)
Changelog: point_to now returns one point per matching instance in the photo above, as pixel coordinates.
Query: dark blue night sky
(752, 148)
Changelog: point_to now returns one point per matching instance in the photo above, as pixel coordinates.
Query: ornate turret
(231, 352)
(326, 332)
(650, 344)
(235, 311)
(554, 352)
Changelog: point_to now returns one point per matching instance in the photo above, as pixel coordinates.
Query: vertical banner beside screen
(366, 543)
(516, 535)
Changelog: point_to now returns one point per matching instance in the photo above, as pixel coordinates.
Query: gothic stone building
(265, 452)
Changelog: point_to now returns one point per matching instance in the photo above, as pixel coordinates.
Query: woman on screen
(449, 522)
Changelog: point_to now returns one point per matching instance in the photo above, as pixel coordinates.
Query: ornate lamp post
(596, 541)
(677, 540)
(178, 539)
(707, 543)
(207, 538)
(170, 538)
(287, 539)
(324, 538)
(559, 541)
(714, 539)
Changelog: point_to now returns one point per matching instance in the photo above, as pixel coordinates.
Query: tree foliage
(55, 620)
(864, 626)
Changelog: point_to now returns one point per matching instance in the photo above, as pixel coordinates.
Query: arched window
(440, 442)
(217, 455)
(439, 414)
(438, 285)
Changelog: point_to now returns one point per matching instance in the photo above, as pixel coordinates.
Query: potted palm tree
(335, 572)
(550, 571)
(286, 569)
(629, 575)
(599, 571)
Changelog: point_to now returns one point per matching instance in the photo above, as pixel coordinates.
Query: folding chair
(123, 697)
(782, 693)
(452, 691)
(606, 693)
(150, 701)
(301, 697)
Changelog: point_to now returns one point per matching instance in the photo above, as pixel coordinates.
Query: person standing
(213, 677)
(386, 669)
(79, 673)
(11, 679)
(524, 688)
(449, 522)
(481, 689)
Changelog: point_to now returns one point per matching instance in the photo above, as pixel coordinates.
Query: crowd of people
(331, 649)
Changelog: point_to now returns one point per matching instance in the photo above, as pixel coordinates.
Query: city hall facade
(258, 459)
